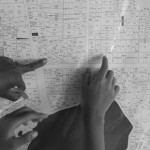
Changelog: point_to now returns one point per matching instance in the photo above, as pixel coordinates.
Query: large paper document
(73, 34)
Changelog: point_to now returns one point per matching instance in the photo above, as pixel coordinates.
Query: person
(98, 92)
(12, 87)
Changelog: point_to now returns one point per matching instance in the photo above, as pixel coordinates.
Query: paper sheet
(71, 34)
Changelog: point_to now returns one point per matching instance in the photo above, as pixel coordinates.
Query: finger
(86, 78)
(37, 120)
(26, 117)
(18, 90)
(117, 89)
(20, 111)
(13, 96)
(26, 124)
(114, 81)
(20, 84)
(17, 64)
(32, 66)
(104, 68)
(26, 138)
(109, 76)
(18, 81)
(2, 58)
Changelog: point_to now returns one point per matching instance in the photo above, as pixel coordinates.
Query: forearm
(93, 133)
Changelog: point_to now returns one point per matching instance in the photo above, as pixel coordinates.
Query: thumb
(13, 96)
(26, 138)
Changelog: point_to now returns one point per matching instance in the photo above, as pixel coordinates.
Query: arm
(93, 133)
(98, 93)
(10, 122)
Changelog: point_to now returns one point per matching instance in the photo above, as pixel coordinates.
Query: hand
(11, 76)
(11, 121)
(99, 93)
